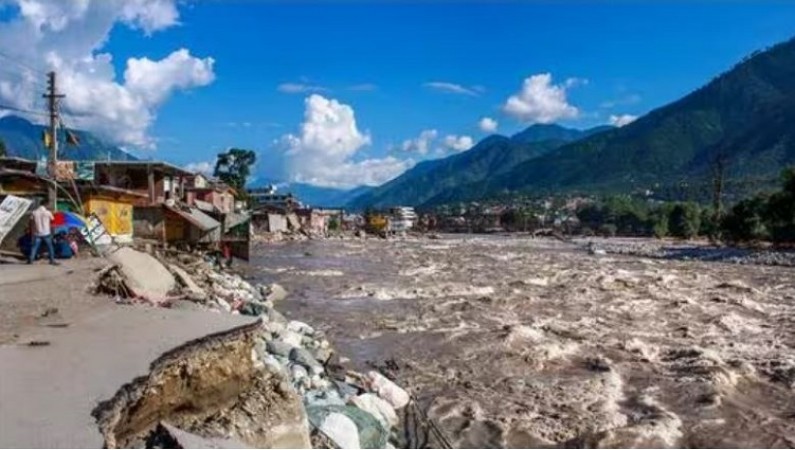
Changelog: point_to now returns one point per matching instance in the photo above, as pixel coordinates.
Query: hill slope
(442, 179)
(24, 139)
(746, 116)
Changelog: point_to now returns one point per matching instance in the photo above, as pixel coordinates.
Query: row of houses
(150, 200)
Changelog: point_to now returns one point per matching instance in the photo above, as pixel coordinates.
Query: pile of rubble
(345, 409)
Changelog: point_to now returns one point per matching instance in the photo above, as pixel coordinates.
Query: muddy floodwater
(520, 342)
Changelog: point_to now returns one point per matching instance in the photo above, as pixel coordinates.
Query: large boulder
(378, 407)
(387, 390)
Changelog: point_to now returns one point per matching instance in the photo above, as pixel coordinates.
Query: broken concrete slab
(144, 275)
(193, 290)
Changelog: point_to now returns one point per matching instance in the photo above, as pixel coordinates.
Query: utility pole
(52, 97)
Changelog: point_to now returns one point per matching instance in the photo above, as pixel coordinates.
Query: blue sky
(376, 59)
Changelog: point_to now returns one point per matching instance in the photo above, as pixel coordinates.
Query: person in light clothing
(42, 217)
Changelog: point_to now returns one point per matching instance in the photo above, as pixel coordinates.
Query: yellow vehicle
(375, 223)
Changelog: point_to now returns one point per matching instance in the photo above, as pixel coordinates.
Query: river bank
(207, 359)
(517, 342)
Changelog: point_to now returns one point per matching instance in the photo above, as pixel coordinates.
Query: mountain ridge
(492, 156)
(24, 139)
(741, 120)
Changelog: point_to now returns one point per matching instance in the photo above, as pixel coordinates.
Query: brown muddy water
(519, 342)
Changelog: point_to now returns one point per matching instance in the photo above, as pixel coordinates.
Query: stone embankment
(276, 384)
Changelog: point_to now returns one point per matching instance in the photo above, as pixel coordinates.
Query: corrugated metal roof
(195, 217)
(204, 206)
(234, 219)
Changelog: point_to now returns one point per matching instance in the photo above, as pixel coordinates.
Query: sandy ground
(42, 295)
(517, 342)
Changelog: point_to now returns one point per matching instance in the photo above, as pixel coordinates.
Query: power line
(22, 110)
(25, 77)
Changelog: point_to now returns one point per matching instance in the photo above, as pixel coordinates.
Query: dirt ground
(518, 342)
(42, 295)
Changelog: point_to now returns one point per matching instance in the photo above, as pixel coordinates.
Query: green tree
(233, 167)
(685, 220)
(779, 212)
(333, 224)
(746, 221)
(3, 150)
(659, 219)
(710, 224)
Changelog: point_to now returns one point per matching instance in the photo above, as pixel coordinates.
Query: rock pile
(344, 408)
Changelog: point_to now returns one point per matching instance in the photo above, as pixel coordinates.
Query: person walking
(42, 217)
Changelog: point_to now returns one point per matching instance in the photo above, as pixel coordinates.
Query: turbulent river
(519, 342)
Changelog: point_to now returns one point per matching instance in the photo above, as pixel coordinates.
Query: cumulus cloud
(300, 88)
(68, 37)
(622, 119)
(323, 152)
(421, 144)
(487, 125)
(540, 101)
(458, 143)
(453, 88)
(203, 167)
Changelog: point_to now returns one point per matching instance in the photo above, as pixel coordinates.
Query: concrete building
(401, 219)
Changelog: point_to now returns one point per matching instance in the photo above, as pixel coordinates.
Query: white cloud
(574, 82)
(487, 125)
(299, 88)
(364, 87)
(155, 80)
(323, 152)
(421, 144)
(204, 167)
(68, 37)
(621, 120)
(540, 101)
(454, 88)
(458, 143)
(150, 15)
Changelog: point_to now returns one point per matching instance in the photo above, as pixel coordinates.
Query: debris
(168, 436)
(193, 290)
